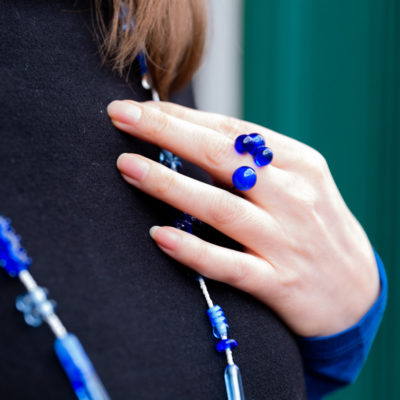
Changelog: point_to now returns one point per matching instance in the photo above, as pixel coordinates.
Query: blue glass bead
(13, 257)
(241, 145)
(170, 160)
(196, 220)
(233, 382)
(218, 321)
(248, 143)
(176, 164)
(79, 369)
(256, 141)
(184, 222)
(263, 156)
(142, 63)
(165, 158)
(35, 306)
(244, 178)
(225, 344)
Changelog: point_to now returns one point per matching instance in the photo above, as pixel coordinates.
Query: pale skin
(304, 254)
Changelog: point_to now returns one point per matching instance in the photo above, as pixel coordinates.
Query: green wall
(328, 74)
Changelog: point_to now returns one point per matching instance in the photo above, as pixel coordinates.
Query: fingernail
(166, 238)
(153, 230)
(124, 112)
(132, 166)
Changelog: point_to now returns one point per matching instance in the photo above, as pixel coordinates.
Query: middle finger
(209, 149)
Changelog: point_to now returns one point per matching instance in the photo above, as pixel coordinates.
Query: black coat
(140, 316)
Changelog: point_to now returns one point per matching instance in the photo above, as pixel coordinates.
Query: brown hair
(170, 32)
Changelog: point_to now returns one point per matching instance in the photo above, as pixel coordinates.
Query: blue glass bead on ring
(244, 178)
(249, 143)
(242, 144)
(256, 142)
(263, 156)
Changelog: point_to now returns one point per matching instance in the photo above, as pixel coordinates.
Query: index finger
(195, 142)
(231, 127)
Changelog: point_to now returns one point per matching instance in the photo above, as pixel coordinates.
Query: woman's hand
(305, 255)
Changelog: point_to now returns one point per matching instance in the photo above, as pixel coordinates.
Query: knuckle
(217, 152)
(306, 198)
(231, 126)
(200, 256)
(228, 124)
(165, 181)
(224, 210)
(238, 274)
(288, 282)
(317, 163)
(160, 123)
(310, 181)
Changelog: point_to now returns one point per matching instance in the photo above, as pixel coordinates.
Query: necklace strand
(38, 308)
(232, 375)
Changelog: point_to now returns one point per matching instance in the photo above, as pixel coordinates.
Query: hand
(305, 255)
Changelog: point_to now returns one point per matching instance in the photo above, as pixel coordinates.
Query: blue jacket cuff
(334, 361)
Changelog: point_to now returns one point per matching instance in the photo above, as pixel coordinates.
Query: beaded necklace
(220, 327)
(38, 308)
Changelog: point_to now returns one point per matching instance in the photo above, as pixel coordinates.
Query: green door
(328, 74)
